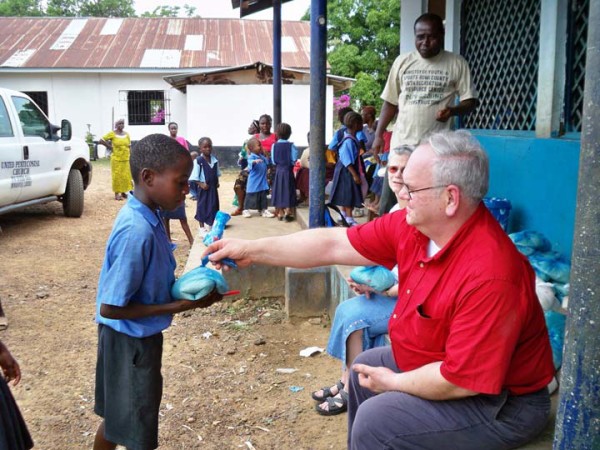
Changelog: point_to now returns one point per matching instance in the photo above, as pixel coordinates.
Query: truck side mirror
(66, 130)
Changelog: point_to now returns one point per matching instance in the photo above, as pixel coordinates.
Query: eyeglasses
(394, 169)
(410, 191)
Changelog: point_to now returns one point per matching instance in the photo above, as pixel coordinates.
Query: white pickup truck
(36, 164)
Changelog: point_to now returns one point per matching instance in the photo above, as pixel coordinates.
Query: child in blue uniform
(206, 175)
(257, 187)
(346, 190)
(134, 303)
(284, 155)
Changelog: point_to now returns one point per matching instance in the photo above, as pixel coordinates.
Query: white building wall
(223, 112)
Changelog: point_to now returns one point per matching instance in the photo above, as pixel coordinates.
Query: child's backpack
(331, 212)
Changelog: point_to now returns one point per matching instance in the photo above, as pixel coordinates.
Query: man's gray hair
(404, 149)
(460, 160)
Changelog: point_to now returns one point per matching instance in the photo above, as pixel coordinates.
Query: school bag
(331, 213)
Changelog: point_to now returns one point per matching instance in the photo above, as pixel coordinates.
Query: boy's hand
(10, 366)
(203, 302)
(203, 186)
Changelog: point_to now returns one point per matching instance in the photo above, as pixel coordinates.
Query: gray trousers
(395, 420)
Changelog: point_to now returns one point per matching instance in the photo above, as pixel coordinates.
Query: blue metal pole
(318, 95)
(578, 415)
(276, 62)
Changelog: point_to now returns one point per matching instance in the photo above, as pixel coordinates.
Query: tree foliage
(28, 8)
(171, 11)
(363, 38)
(86, 8)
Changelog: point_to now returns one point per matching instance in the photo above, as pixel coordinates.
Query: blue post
(276, 62)
(318, 94)
(578, 415)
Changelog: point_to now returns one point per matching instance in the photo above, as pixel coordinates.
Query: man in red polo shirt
(470, 357)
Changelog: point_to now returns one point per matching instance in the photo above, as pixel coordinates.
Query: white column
(409, 11)
(551, 71)
(452, 40)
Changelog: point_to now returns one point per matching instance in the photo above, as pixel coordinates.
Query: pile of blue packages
(552, 270)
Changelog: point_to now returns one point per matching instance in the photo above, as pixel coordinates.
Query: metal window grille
(500, 40)
(40, 98)
(575, 71)
(146, 107)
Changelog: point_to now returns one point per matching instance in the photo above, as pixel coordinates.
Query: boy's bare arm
(138, 310)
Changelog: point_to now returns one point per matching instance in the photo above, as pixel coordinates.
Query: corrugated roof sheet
(132, 43)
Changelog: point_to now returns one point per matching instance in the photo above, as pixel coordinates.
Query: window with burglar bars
(500, 40)
(146, 107)
(576, 51)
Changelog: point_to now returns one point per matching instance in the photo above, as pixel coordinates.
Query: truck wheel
(73, 198)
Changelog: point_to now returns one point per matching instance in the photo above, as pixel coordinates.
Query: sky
(292, 10)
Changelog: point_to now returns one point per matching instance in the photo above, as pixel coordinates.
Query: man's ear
(147, 176)
(452, 199)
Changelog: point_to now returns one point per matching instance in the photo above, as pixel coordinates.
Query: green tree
(363, 39)
(90, 8)
(20, 8)
(171, 11)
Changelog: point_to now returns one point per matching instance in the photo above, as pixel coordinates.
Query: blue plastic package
(218, 228)
(552, 266)
(198, 283)
(555, 322)
(531, 239)
(377, 277)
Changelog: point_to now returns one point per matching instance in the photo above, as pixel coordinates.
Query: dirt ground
(221, 385)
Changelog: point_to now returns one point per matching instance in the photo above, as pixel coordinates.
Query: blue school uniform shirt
(293, 157)
(139, 267)
(348, 152)
(257, 176)
(198, 172)
(360, 136)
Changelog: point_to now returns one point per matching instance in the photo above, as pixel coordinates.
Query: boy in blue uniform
(134, 303)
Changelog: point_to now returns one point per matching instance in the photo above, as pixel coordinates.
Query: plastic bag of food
(198, 283)
(377, 277)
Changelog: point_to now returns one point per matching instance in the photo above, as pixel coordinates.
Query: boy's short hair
(156, 152)
(352, 118)
(283, 131)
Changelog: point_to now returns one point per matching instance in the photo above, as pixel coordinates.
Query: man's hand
(235, 249)
(377, 148)
(375, 379)
(10, 366)
(443, 115)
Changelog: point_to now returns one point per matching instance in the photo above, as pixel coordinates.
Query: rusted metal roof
(147, 43)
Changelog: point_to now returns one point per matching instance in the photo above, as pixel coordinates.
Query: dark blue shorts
(129, 387)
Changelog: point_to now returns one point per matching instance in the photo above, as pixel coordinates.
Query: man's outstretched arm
(308, 248)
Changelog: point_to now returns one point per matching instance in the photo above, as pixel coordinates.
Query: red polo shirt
(472, 306)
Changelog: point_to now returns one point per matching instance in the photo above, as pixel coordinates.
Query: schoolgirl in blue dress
(346, 190)
(206, 175)
(257, 187)
(284, 155)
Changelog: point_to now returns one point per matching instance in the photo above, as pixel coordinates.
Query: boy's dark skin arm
(138, 310)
